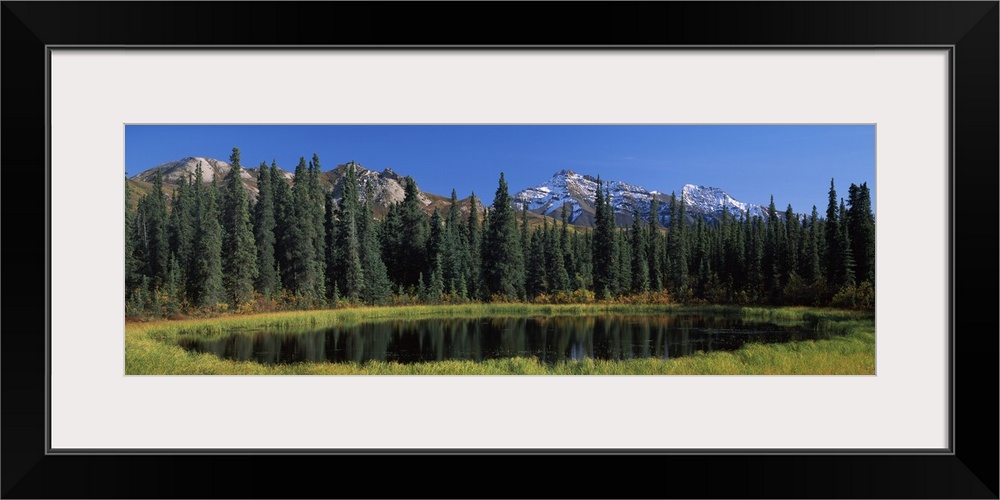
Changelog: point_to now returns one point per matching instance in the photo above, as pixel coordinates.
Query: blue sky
(750, 162)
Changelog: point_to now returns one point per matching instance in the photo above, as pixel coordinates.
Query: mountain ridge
(546, 199)
(579, 190)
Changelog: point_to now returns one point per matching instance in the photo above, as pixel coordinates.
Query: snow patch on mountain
(712, 201)
(577, 192)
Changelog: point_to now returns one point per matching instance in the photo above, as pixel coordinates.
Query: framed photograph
(920, 78)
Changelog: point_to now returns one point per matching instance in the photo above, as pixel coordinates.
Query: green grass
(151, 348)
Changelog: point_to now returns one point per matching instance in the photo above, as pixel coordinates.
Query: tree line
(297, 246)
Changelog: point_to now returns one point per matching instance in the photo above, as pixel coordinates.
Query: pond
(550, 339)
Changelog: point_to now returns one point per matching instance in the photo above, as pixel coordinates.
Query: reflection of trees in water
(435, 330)
(512, 336)
(311, 347)
(643, 339)
(685, 347)
(458, 335)
(574, 338)
(367, 342)
(243, 347)
(550, 339)
(268, 348)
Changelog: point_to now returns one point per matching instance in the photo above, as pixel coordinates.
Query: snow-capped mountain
(710, 202)
(577, 191)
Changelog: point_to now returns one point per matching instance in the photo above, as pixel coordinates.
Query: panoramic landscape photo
(499, 249)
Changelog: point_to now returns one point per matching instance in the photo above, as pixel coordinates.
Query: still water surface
(550, 339)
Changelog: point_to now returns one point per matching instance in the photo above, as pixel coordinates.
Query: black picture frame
(969, 28)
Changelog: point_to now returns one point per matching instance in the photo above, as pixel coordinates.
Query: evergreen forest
(208, 248)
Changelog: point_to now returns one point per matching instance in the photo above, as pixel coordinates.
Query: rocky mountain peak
(578, 191)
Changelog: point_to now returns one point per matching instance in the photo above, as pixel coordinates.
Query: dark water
(550, 339)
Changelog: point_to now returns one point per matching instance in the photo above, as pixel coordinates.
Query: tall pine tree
(181, 229)
(845, 274)
(603, 247)
(377, 289)
(300, 238)
(861, 230)
(152, 233)
(676, 247)
(412, 253)
(456, 248)
(132, 276)
(239, 261)
(283, 222)
(391, 243)
(316, 212)
(654, 247)
(503, 260)
(475, 238)
(555, 263)
(263, 231)
(833, 260)
(350, 276)
(205, 285)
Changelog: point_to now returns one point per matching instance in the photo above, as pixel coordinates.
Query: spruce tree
(263, 231)
(206, 281)
(536, 282)
(770, 263)
(845, 275)
(348, 249)
(525, 249)
(330, 249)
(703, 260)
(677, 261)
(456, 259)
(603, 247)
(377, 288)
(391, 243)
(435, 239)
(734, 273)
(640, 259)
(239, 251)
(153, 234)
(583, 250)
(435, 289)
(833, 260)
(861, 230)
(623, 264)
(813, 271)
(132, 276)
(558, 277)
(283, 221)
(181, 229)
(300, 248)
(412, 257)
(475, 238)
(754, 258)
(317, 204)
(654, 247)
(569, 262)
(503, 260)
(790, 256)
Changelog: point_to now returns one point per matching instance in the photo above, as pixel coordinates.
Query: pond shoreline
(151, 348)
